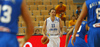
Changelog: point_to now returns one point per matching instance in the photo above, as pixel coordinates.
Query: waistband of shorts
(52, 34)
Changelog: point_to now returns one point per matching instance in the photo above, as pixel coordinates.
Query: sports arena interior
(39, 9)
(39, 12)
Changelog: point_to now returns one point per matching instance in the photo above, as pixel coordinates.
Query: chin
(53, 16)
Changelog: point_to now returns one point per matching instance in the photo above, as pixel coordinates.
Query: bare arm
(27, 19)
(76, 15)
(44, 27)
(61, 26)
(79, 21)
(67, 36)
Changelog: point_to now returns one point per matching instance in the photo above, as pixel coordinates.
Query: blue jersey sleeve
(76, 11)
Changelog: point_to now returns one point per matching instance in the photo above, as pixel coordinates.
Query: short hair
(78, 7)
(37, 29)
(60, 2)
(51, 9)
(73, 15)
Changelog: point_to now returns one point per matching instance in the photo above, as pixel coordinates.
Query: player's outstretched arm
(79, 21)
(67, 36)
(27, 19)
(44, 27)
(61, 27)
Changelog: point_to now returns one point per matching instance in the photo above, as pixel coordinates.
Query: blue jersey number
(6, 14)
(53, 25)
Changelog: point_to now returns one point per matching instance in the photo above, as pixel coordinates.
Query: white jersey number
(98, 13)
(79, 29)
(6, 18)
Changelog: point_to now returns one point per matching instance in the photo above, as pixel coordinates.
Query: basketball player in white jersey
(54, 27)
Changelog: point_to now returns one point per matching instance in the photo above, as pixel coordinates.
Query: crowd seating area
(39, 9)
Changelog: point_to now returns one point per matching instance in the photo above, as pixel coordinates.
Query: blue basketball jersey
(9, 13)
(80, 42)
(82, 30)
(93, 7)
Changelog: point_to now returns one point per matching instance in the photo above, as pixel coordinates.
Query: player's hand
(65, 45)
(61, 34)
(21, 42)
(44, 35)
(73, 39)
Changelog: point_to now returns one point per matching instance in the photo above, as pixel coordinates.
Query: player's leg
(50, 44)
(79, 42)
(56, 42)
(64, 18)
(13, 42)
(8, 40)
(69, 44)
(3, 39)
(92, 37)
(97, 39)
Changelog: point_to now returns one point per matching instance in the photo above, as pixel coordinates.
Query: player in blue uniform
(92, 9)
(79, 42)
(9, 13)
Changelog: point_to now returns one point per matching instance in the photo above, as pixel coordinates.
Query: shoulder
(70, 21)
(57, 6)
(76, 10)
(88, 2)
(64, 5)
(57, 19)
(48, 18)
(84, 22)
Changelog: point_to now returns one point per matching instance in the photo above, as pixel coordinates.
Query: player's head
(60, 4)
(37, 31)
(52, 12)
(78, 7)
(73, 17)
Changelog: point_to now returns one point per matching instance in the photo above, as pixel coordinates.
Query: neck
(60, 6)
(52, 18)
(73, 20)
(79, 10)
(37, 33)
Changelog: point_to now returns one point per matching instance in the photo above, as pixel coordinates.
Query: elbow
(43, 30)
(68, 34)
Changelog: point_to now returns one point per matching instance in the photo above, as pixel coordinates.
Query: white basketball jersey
(53, 27)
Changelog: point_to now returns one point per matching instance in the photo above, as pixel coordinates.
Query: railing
(65, 28)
